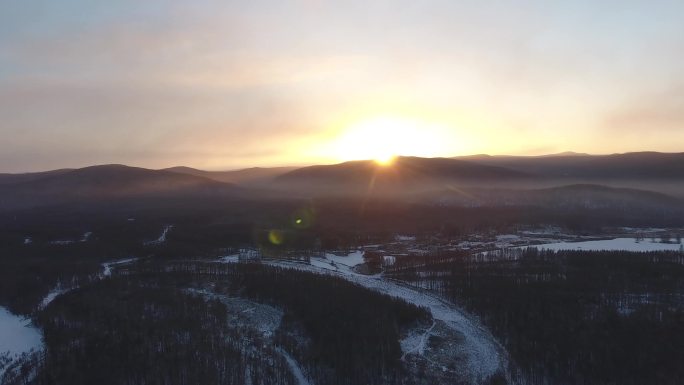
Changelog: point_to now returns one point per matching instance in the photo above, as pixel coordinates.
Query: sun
(385, 159)
(383, 139)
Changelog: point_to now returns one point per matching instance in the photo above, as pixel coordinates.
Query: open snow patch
(354, 258)
(17, 336)
(107, 266)
(617, 244)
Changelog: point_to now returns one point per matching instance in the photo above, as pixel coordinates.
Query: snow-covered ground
(108, 265)
(162, 237)
(295, 368)
(351, 260)
(507, 237)
(17, 336)
(479, 355)
(389, 260)
(339, 263)
(59, 290)
(618, 244)
(262, 318)
(54, 293)
(62, 242)
(233, 258)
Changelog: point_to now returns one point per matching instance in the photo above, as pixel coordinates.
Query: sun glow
(385, 160)
(383, 139)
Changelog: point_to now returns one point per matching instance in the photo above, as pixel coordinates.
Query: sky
(232, 84)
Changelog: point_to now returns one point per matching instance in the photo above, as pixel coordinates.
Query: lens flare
(276, 237)
(303, 218)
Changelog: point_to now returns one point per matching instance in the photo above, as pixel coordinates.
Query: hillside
(628, 166)
(6, 178)
(404, 172)
(107, 182)
(248, 176)
(570, 197)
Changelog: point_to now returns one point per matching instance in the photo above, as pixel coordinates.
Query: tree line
(573, 317)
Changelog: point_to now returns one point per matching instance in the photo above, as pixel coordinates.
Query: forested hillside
(170, 314)
(573, 317)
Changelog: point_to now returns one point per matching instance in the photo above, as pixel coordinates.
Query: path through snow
(484, 355)
(162, 237)
(294, 368)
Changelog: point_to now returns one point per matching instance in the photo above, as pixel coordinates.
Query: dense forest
(123, 332)
(565, 318)
(47, 248)
(572, 317)
(109, 332)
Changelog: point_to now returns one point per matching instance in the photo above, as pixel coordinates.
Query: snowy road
(482, 355)
(294, 368)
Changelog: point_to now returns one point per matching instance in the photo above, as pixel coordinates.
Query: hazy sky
(227, 84)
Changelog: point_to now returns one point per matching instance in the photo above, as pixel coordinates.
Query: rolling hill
(6, 179)
(403, 173)
(108, 183)
(248, 176)
(568, 197)
(628, 166)
(570, 179)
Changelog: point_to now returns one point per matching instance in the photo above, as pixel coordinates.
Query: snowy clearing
(353, 259)
(262, 318)
(617, 244)
(17, 336)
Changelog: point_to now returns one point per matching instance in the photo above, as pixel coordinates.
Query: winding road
(483, 355)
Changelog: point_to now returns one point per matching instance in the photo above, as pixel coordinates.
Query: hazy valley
(283, 265)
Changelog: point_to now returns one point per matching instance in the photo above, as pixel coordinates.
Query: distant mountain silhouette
(248, 176)
(474, 180)
(27, 177)
(403, 172)
(636, 165)
(578, 196)
(107, 182)
(564, 153)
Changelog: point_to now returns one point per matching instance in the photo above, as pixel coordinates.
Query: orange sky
(223, 85)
